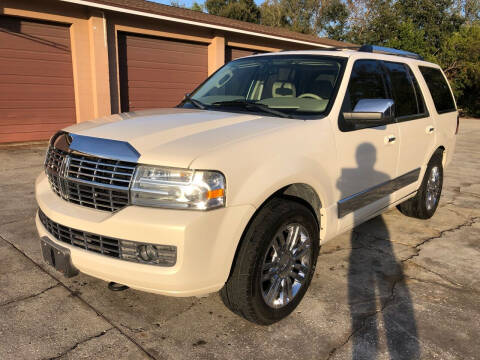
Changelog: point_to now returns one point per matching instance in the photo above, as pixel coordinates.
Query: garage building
(67, 61)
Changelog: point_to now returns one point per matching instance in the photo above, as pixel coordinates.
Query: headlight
(177, 188)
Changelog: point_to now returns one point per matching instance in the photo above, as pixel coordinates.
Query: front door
(367, 157)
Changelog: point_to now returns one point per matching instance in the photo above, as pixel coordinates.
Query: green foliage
(197, 7)
(296, 15)
(273, 13)
(332, 19)
(442, 31)
(408, 37)
(460, 59)
(244, 10)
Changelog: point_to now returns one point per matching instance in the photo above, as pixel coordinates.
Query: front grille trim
(100, 244)
(121, 249)
(88, 180)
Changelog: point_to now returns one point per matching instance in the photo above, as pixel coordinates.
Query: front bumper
(206, 242)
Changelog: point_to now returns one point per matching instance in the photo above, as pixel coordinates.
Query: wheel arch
(439, 148)
(444, 154)
(299, 192)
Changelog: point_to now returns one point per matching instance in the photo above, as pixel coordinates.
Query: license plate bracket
(58, 257)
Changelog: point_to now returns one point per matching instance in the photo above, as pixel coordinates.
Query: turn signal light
(213, 194)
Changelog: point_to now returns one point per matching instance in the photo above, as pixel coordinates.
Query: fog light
(163, 255)
(147, 252)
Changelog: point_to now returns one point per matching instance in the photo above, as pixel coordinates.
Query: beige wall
(216, 54)
(93, 36)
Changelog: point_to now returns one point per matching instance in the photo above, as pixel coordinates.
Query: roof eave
(192, 22)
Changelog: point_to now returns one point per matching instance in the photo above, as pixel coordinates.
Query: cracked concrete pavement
(395, 287)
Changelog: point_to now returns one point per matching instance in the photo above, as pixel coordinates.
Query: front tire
(275, 263)
(425, 203)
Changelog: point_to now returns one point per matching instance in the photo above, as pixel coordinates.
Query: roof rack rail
(389, 51)
(330, 48)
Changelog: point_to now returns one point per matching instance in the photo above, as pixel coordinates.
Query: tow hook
(113, 286)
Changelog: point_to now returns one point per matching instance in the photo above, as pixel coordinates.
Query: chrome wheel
(433, 188)
(286, 265)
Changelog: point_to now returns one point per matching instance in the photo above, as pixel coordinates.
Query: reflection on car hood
(175, 137)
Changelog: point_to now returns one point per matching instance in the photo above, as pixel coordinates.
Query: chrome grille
(88, 180)
(97, 243)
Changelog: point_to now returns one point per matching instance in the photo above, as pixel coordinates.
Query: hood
(175, 137)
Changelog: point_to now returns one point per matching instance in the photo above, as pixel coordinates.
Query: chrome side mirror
(371, 112)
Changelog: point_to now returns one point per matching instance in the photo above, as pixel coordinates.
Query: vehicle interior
(293, 84)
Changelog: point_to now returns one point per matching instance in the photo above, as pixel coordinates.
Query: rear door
(367, 157)
(441, 104)
(416, 127)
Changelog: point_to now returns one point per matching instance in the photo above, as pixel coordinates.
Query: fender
(273, 175)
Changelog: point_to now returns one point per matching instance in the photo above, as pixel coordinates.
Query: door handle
(390, 139)
(430, 129)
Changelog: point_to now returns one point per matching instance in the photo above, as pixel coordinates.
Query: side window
(441, 94)
(404, 94)
(366, 82)
(418, 92)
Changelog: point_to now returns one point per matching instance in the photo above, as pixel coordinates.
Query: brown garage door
(232, 53)
(156, 72)
(36, 79)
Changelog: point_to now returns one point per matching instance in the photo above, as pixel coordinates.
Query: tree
(296, 15)
(176, 3)
(197, 7)
(215, 7)
(437, 18)
(272, 13)
(459, 57)
(407, 36)
(332, 19)
(244, 10)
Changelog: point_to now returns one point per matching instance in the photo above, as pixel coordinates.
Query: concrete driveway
(395, 288)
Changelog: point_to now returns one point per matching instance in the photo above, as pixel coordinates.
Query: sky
(188, 3)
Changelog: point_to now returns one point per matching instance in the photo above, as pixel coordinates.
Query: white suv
(236, 188)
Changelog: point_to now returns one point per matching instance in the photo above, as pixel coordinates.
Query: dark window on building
(441, 94)
(366, 82)
(403, 90)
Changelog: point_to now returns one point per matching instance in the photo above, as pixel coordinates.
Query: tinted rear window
(442, 97)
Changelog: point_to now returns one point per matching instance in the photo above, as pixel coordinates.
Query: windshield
(294, 85)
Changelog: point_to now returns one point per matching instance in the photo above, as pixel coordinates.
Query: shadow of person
(376, 287)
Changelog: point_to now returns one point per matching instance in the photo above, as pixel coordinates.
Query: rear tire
(425, 203)
(275, 263)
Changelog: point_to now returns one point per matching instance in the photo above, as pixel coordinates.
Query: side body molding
(368, 196)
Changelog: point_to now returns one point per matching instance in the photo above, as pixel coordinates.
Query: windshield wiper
(196, 103)
(250, 105)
